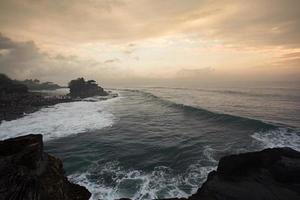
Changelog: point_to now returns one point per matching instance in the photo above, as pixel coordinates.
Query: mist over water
(156, 142)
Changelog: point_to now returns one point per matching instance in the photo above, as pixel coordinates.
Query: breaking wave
(61, 120)
(281, 137)
(112, 181)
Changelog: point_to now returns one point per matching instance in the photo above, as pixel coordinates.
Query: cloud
(54, 39)
(290, 60)
(202, 73)
(6, 43)
(129, 48)
(115, 60)
(19, 56)
(25, 60)
(255, 23)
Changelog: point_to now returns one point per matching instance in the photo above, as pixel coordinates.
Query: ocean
(159, 142)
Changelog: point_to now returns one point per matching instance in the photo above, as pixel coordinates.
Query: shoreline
(15, 106)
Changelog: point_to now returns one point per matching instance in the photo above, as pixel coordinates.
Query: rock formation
(81, 88)
(28, 173)
(8, 86)
(271, 174)
(15, 99)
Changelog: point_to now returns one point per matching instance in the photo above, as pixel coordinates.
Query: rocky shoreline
(29, 173)
(15, 105)
(16, 100)
(271, 174)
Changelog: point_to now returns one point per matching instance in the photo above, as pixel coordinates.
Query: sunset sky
(135, 41)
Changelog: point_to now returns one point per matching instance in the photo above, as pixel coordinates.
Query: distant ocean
(155, 142)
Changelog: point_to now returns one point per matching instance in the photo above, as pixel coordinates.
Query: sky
(150, 41)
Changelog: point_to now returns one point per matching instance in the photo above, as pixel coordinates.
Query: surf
(61, 120)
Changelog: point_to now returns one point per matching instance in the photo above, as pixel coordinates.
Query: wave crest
(211, 115)
(60, 120)
(111, 181)
(281, 137)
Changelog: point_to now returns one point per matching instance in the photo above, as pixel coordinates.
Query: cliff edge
(28, 173)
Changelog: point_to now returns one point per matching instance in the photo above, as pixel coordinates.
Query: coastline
(16, 105)
(28, 172)
(212, 184)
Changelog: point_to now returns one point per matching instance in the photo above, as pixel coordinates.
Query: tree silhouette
(81, 88)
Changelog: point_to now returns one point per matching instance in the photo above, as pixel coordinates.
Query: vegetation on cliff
(16, 100)
(35, 84)
(8, 86)
(81, 88)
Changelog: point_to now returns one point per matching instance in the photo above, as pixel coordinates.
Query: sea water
(159, 142)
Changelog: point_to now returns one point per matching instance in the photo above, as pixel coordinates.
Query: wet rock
(271, 174)
(28, 173)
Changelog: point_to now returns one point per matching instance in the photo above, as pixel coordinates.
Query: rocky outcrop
(81, 88)
(271, 174)
(28, 173)
(8, 86)
(15, 105)
(16, 100)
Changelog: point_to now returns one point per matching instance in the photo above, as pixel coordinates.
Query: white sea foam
(60, 120)
(140, 185)
(208, 153)
(281, 137)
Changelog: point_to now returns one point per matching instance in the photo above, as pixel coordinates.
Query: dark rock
(15, 105)
(8, 86)
(28, 173)
(15, 100)
(271, 174)
(81, 88)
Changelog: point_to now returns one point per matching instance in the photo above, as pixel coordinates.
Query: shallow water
(161, 142)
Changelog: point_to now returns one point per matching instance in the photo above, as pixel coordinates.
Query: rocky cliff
(81, 88)
(271, 174)
(28, 173)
